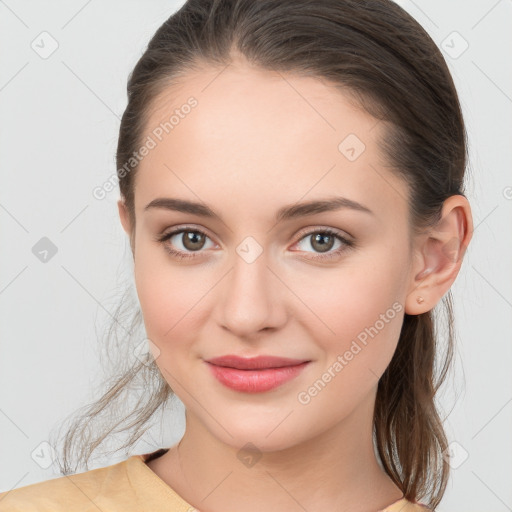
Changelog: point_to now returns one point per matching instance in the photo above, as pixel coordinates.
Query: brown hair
(376, 52)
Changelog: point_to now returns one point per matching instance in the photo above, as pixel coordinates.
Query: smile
(255, 380)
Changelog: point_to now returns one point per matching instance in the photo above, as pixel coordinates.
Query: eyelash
(347, 244)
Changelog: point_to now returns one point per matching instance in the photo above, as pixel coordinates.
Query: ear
(438, 255)
(125, 220)
(123, 215)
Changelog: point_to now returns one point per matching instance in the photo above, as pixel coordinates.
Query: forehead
(260, 138)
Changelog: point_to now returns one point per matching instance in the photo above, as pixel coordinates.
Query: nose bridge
(250, 297)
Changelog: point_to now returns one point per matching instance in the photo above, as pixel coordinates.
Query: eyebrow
(285, 213)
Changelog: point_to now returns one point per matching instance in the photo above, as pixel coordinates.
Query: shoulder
(81, 491)
(404, 505)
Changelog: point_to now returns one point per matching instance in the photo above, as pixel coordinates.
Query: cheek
(364, 320)
(359, 311)
(170, 301)
(353, 298)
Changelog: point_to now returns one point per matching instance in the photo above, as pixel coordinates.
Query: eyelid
(184, 227)
(309, 230)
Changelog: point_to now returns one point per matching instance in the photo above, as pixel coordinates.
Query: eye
(190, 240)
(194, 240)
(323, 240)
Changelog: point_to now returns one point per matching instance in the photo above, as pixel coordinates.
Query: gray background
(59, 118)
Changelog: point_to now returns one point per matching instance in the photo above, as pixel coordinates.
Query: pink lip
(257, 374)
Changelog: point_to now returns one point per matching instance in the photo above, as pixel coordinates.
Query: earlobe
(440, 253)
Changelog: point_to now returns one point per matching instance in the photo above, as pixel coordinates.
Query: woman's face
(250, 144)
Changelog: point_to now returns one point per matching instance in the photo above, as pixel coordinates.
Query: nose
(251, 298)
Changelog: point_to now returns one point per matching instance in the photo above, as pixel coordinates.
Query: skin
(258, 141)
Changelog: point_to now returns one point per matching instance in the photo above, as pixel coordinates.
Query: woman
(291, 178)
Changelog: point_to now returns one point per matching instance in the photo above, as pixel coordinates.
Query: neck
(337, 470)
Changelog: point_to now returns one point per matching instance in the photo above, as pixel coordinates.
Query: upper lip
(252, 363)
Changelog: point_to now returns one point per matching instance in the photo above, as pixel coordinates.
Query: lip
(257, 374)
(254, 363)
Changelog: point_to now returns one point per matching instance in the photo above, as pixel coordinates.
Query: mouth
(255, 375)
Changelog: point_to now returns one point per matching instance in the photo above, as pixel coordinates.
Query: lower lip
(255, 381)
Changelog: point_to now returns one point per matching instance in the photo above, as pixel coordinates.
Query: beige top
(128, 486)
